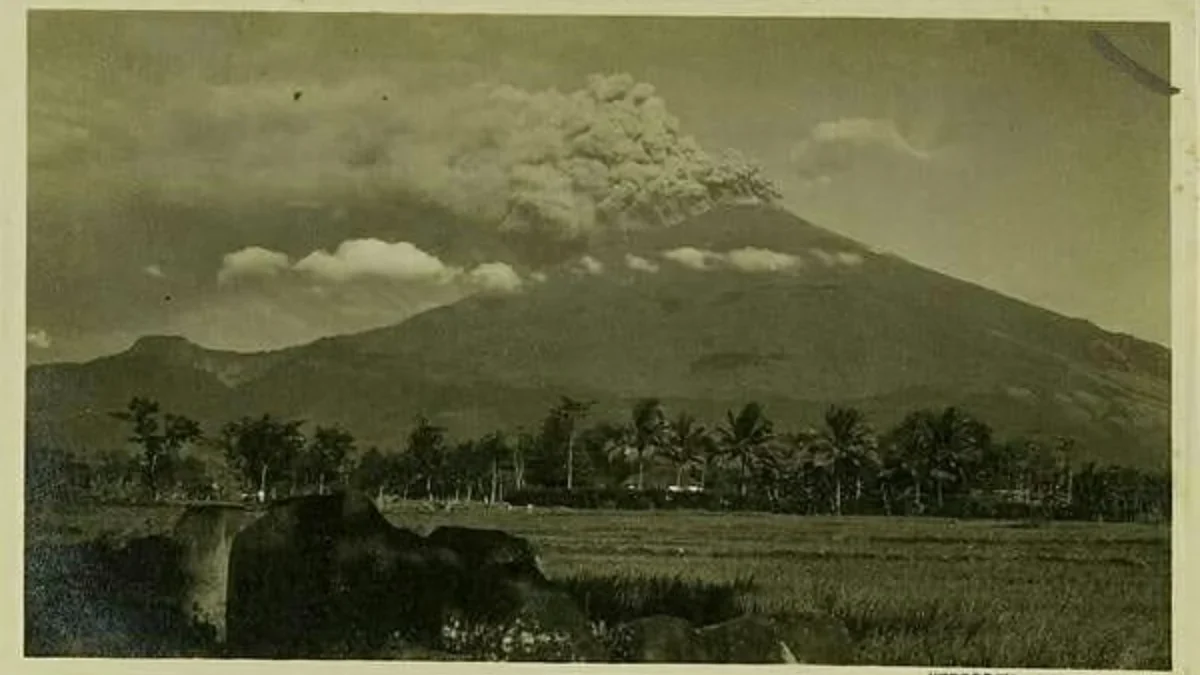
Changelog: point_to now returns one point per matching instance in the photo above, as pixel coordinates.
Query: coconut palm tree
(686, 447)
(851, 446)
(938, 447)
(743, 437)
(644, 436)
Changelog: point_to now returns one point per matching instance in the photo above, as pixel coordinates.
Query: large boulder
(816, 639)
(656, 639)
(328, 574)
(745, 639)
(510, 610)
(498, 567)
(205, 536)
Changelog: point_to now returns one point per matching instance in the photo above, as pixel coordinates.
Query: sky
(252, 181)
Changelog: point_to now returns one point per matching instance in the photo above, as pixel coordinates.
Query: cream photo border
(1185, 285)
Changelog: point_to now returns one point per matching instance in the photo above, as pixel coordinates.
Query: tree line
(943, 462)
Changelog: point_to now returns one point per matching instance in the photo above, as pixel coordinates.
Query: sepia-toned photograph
(611, 339)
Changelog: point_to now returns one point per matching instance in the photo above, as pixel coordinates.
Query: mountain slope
(834, 322)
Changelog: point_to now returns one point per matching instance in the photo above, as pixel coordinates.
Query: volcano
(743, 303)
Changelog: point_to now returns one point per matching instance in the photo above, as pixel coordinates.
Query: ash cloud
(546, 165)
(568, 165)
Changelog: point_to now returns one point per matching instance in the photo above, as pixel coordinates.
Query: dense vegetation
(934, 462)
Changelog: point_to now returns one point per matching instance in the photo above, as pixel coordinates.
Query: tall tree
(525, 445)
(744, 436)
(648, 425)
(160, 436)
(851, 446)
(939, 448)
(495, 450)
(564, 418)
(605, 445)
(262, 449)
(1064, 448)
(328, 451)
(369, 472)
(427, 446)
(685, 448)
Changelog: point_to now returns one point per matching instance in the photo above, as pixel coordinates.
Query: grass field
(911, 591)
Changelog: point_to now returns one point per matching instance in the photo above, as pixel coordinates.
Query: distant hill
(834, 322)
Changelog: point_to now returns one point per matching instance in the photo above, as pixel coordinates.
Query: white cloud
(640, 264)
(866, 131)
(829, 259)
(849, 259)
(496, 276)
(251, 261)
(366, 259)
(694, 258)
(38, 338)
(359, 258)
(836, 145)
(761, 260)
(539, 277)
(154, 271)
(832, 259)
(590, 265)
(753, 260)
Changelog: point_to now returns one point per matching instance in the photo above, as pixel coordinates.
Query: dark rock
(329, 573)
(746, 639)
(815, 639)
(656, 639)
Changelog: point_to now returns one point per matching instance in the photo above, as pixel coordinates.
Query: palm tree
(710, 454)
(939, 447)
(778, 466)
(687, 441)
(649, 426)
(851, 445)
(744, 436)
(644, 436)
(811, 460)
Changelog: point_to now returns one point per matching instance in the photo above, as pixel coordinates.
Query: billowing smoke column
(606, 157)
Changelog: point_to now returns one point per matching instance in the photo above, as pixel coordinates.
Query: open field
(912, 591)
